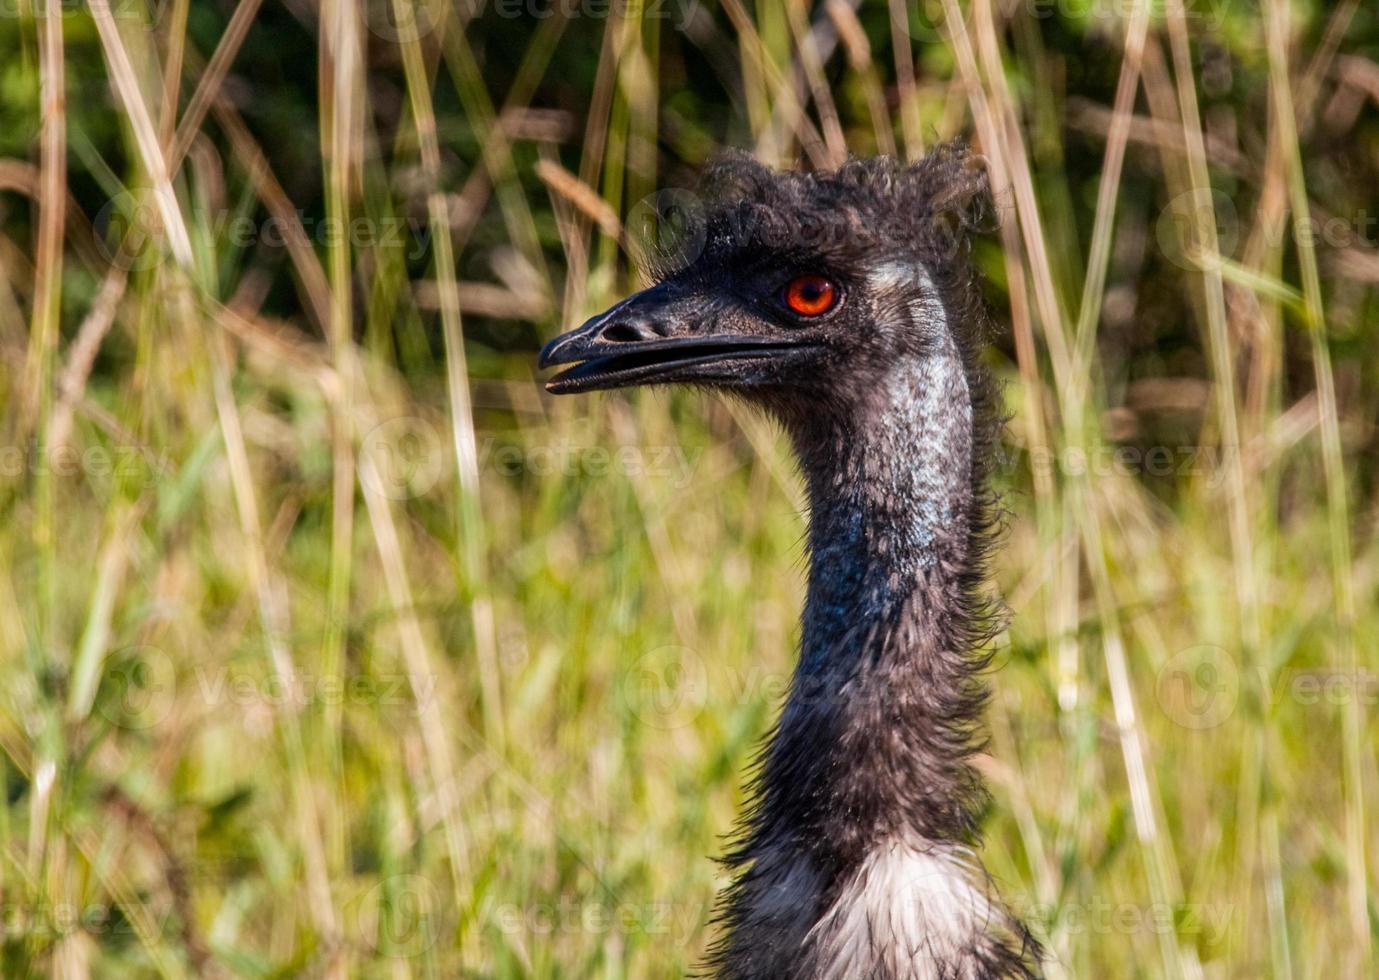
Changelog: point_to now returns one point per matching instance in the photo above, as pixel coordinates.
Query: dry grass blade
(1016, 159)
(1360, 957)
(1201, 237)
(81, 356)
(905, 75)
(457, 384)
(811, 65)
(1157, 850)
(126, 85)
(208, 88)
(1099, 252)
(585, 199)
(95, 637)
(498, 166)
(858, 50)
(315, 287)
(47, 299)
(421, 676)
(342, 151)
(273, 612)
(792, 115)
(173, 63)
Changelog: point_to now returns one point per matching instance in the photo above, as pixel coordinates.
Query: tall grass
(330, 646)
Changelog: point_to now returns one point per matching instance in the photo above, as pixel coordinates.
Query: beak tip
(549, 356)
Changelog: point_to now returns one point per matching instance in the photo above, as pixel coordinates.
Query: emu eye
(810, 295)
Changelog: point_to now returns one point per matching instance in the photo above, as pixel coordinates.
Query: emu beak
(655, 338)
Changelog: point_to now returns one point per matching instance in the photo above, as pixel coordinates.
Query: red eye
(810, 295)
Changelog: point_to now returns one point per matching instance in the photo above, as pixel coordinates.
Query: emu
(845, 305)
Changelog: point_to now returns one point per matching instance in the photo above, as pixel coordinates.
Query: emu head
(802, 290)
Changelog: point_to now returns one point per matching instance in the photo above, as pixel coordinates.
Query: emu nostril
(632, 331)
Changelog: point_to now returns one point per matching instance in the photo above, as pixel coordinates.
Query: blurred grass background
(330, 646)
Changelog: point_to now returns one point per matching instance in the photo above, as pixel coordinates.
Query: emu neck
(854, 855)
(872, 743)
(889, 485)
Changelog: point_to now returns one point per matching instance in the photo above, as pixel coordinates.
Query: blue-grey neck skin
(888, 497)
(871, 755)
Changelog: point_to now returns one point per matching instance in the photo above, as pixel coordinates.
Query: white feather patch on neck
(912, 911)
